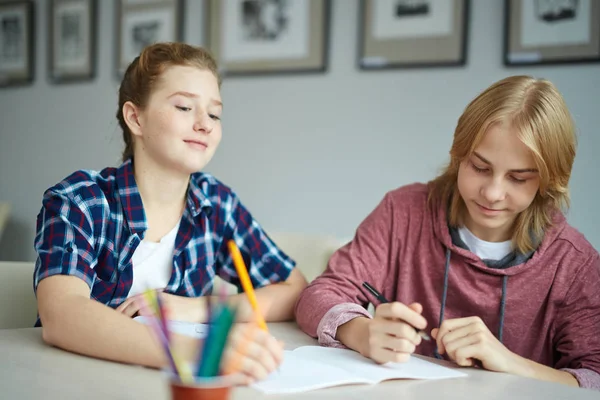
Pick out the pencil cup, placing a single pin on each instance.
(217, 388)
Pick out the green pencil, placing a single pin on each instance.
(216, 340)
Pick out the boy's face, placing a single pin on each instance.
(497, 182)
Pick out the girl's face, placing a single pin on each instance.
(497, 182)
(180, 128)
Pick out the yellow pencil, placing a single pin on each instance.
(242, 272)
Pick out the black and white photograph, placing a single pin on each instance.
(16, 43)
(70, 34)
(407, 8)
(551, 11)
(144, 33)
(269, 36)
(552, 22)
(264, 19)
(411, 33)
(551, 31)
(72, 40)
(393, 19)
(142, 23)
(13, 35)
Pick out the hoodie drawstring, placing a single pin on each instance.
(445, 291)
(502, 307)
(445, 294)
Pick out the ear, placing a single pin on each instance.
(131, 115)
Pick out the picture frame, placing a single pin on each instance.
(17, 35)
(72, 40)
(538, 32)
(257, 37)
(410, 34)
(143, 22)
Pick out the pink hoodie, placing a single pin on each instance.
(551, 308)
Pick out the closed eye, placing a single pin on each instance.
(215, 117)
(182, 108)
(479, 170)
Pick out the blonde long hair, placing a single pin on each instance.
(538, 112)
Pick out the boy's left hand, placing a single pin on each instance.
(466, 340)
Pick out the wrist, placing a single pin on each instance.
(191, 309)
(520, 366)
(354, 334)
(530, 369)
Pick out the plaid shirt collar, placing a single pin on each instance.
(131, 201)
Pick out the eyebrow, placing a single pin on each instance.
(512, 170)
(194, 96)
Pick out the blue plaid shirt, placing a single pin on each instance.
(91, 223)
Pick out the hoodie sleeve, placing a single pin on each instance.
(337, 296)
(578, 326)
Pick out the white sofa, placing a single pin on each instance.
(18, 307)
(311, 253)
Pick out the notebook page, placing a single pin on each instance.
(356, 364)
(299, 374)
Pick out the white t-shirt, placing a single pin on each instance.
(485, 250)
(153, 263)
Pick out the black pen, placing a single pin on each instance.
(382, 300)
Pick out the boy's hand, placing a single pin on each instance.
(391, 332)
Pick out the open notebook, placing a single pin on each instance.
(313, 367)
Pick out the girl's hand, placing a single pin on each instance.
(251, 352)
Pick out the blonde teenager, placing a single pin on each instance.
(481, 257)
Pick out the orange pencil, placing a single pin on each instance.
(242, 272)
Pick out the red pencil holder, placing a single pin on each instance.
(217, 388)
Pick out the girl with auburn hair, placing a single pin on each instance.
(156, 222)
(482, 254)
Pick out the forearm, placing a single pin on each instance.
(276, 302)
(84, 326)
(531, 369)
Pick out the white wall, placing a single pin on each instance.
(307, 153)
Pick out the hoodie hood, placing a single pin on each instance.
(517, 263)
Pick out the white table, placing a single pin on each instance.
(29, 369)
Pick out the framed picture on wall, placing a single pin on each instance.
(72, 40)
(16, 43)
(551, 32)
(144, 22)
(269, 36)
(412, 33)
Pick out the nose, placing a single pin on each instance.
(203, 124)
(493, 190)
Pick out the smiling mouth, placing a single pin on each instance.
(489, 210)
(196, 144)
